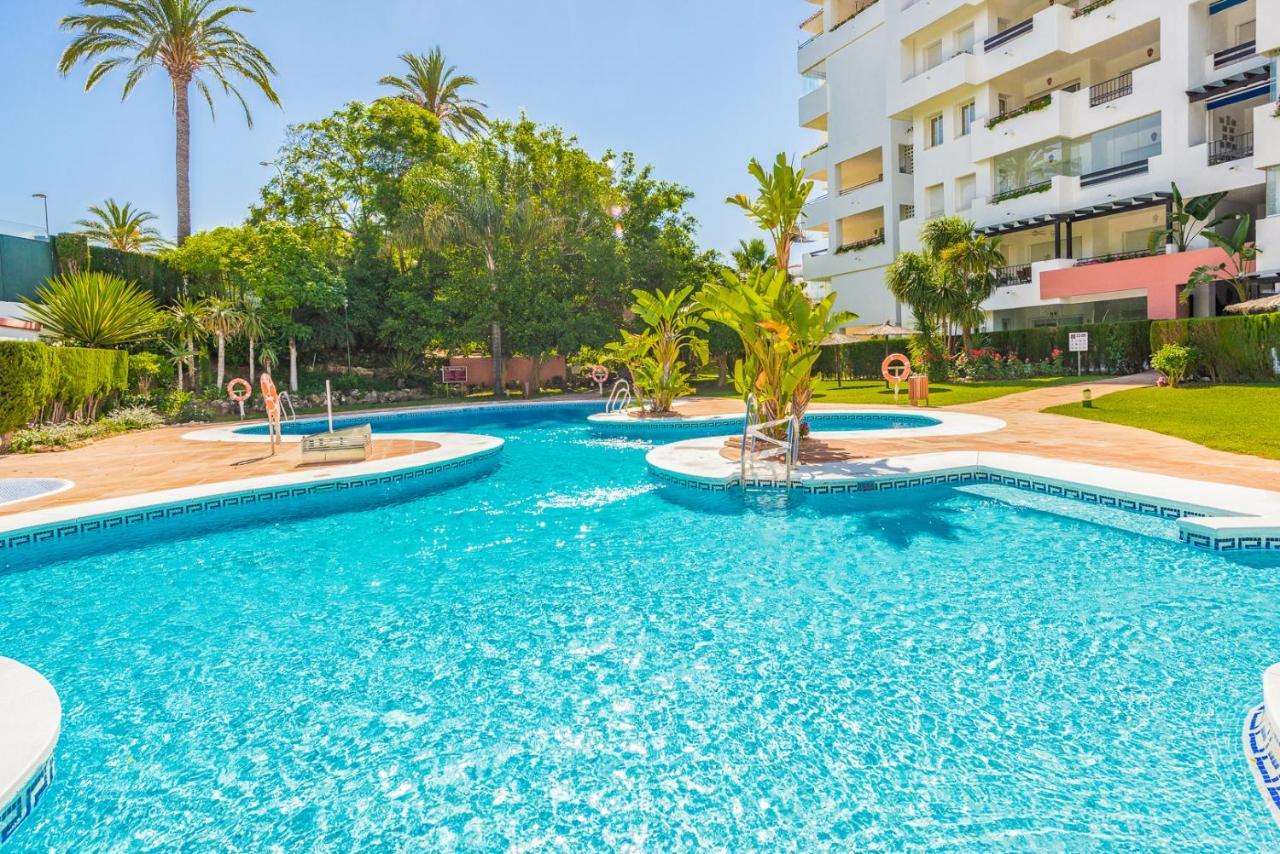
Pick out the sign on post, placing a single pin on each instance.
(1078, 343)
(452, 375)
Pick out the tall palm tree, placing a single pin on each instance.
(121, 227)
(779, 208)
(186, 323)
(435, 86)
(190, 40)
(751, 255)
(252, 325)
(472, 210)
(222, 318)
(966, 263)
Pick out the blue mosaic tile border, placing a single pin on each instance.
(61, 531)
(1262, 749)
(1077, 493)
(14, 813)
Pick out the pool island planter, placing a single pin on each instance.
(57, 532)
(1262, 741)
(1213, 516)
(828, 423)
(30, 722)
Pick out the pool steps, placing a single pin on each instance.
(30, 722)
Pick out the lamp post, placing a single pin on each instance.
(274, 164)
(44, 198)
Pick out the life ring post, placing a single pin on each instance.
(896, 369)
(239, 390)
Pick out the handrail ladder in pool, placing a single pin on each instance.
(287, 412)
(620, 397)
(754, 432)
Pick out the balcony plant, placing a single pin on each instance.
(1033, 106)
(1019, 192)
(1189, 219)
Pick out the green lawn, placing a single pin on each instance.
(1244, 419)
(940, 394)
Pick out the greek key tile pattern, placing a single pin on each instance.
(97, 525)
(1119, 502)
(1262, 749)
(14, 813)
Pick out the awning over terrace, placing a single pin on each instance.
(1119, 206)
(1229, 84)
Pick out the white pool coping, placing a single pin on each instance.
(1230, 513)
(63, 486)
(452, 446)
(1262, 742)
(1271, 695)
(30, 722)
(949, 423)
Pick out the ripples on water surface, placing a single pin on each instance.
(568, 655)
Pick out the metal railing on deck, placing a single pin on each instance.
(1231, 148)
(1230, 55)
(1110, 90)
(1015, 274)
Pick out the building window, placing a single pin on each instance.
(907, 159)
(933, 55)
(967, 113)
(933, 200)
(965, 40)
(966, 191)
(1273, 191)
(935, 131)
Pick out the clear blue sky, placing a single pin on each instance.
(695, 87)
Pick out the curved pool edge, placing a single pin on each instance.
(62, 486)
(30, 723)
(455, 455)
(942, 423)
(1214, 516)
(1262, 741)
(236, 431)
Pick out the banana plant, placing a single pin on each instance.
(1188, 220)
(781, 333)
(1235, 270)
(655, 356)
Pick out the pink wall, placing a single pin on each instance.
(1161, 276)
(518, 369)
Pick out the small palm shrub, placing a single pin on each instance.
(1175, 361)
(655, 355)
(92, 309)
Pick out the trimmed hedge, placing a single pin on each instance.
(1231, 349)
(1121, 347)
(25, 383)
(34, 375)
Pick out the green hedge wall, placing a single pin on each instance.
(34, 375)
(1232, 349)
(25, 382)
(149, 271)
(1121, 347)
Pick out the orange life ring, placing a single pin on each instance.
(269, 396)
(600, 374)
(242, 384)
(892, 360)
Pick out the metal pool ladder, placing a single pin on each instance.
(619, 398)
(287, 412)
(754, 433)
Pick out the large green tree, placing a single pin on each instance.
(431, 83)
(191, 40)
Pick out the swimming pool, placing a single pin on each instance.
(567, 653)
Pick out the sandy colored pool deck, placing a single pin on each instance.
(162, 459)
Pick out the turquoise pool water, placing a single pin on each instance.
(568, 655)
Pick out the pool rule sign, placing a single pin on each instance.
(1078, 343)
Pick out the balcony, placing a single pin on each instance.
(1114, 173)
(1162, 276)
(855, 188)
(1019, 192)
(1116, 256)
(843, 31)
(814, 108)
(1013, 275)
(1231, 148)
(1111, 90)
(1232, 55)
(865, 243)
(1003, 37)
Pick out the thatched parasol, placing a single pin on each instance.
(1256, 306)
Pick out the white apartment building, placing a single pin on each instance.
(1057, 126)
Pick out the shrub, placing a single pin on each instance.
(143, 370)
(1232, 349)
(1174, 361)
(134, 418)
(84, 377)
(25, 383)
